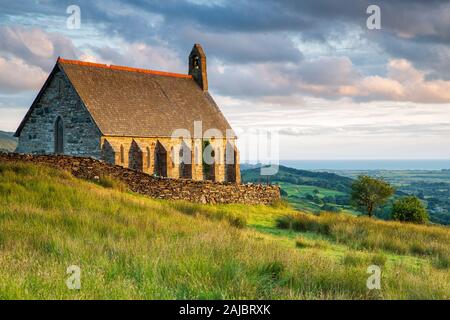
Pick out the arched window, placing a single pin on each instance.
(122, 154)
(148, 157)
(59, 136)
(196, 62)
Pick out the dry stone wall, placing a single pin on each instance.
(161, 188)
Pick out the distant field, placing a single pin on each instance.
(431, 186)
(298, 186)
(297, 197)
(302, 190)
(309, 190)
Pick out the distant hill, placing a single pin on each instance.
(301, 177)
(7, 141)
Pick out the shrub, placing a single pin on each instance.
(280, 204)
(354, 259)
(211, 212)
(330, 208)
(111, 183)
(237, 221)
(302, 243)
(409, 209)
(272, 269)
(379, 259)
(302, 223)
(441, 262)
(285, 222)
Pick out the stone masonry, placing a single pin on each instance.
(160, 188)
(81, 136)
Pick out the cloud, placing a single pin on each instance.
(331, 78)
(403, 83)
(330, 71)
(241, 47)
(27, 56)
(16, 75)
(35, 46)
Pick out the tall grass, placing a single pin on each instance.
(367, 233)
(132, 247)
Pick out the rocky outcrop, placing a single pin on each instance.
(161, 188)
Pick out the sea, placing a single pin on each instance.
(416, 164)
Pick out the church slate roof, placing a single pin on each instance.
(134, 102)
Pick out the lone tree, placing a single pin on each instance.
(368, 193)
(409, 209)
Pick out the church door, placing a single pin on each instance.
(59, 136)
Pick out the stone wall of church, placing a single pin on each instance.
(161, 188)
(80, 135)
(142, 154)
(82, 138)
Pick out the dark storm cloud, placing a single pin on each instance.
(234, 29)
(261, 33)
(245, 31)
(419, 16)
(249, 16)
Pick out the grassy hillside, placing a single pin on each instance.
(129, 246)
(7, 142)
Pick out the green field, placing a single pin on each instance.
(132, 247)
(297, 197)
(431, 186)
(299, 186)
(309, 190)
(303, 190)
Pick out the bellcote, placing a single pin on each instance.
(197, 66)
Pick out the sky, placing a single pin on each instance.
(312, 71)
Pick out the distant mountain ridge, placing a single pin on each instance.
(301, 177)
(8, 142)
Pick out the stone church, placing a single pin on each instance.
(141, 119)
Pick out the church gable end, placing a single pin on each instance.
(58, 122)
